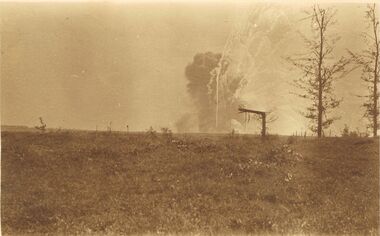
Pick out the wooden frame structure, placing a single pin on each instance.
(263, 118)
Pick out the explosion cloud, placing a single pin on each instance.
(254, 41)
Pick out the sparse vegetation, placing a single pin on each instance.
(167, 134)
(347, 133)
(93, 183)
(151, 133)
(42, 126)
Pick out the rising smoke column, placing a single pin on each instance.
(201, 78)
(198, 74)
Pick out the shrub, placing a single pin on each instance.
(167, 134)
(151, 132)
(42, 126)
(345, 131)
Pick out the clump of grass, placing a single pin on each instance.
(151, 133)
(291, 140)
(167, 134)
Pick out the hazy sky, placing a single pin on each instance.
(81, 65)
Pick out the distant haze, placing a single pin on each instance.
(82, 65)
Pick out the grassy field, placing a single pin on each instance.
(101, 183)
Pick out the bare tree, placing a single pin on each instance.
(319, 68)
(42, 126)
(368, 60)
(109, 127)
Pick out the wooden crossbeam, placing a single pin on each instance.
(263, 118)
(251, 111)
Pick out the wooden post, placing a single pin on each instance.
(264, 126)
(245, 122)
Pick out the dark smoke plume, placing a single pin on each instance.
(201, 86)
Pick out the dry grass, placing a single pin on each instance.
(99, 183)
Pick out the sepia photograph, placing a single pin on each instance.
(180, 117)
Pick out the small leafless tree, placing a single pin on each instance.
(319, 68)
(109, 127)
(42, 126)
(368, 60)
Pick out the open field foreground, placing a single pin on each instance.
(101, 183)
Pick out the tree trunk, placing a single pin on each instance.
(375, 80)
(375, 109)
(320, 85)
